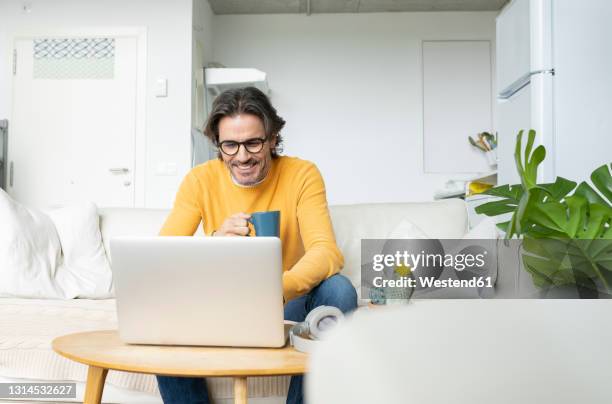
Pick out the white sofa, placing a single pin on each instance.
(27, 326)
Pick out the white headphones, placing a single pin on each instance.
(318, 323)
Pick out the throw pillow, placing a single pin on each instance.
(484, 230)
(30, 252)
(54, 254)
(405, 229)
(85, 272)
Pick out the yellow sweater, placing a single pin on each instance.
(293, 186)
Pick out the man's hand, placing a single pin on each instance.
(235, 225)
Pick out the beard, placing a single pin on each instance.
(255, 173)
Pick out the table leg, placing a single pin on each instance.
(241, 395)
(95, 385)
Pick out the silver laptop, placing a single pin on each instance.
(217, 291)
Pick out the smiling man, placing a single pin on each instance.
(251, 176)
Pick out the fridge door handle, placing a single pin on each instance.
(521, 82)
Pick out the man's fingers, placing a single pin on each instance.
(242, 230)
(236, 225)
(239, 222)
(238, 231)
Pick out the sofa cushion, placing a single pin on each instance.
(52, 254)
(129, 222)
(85, 272)
(30, 251)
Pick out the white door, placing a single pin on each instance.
(74, 121)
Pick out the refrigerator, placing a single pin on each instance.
(3, 153)
(554, 75)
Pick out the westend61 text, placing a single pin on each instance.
(430, 282)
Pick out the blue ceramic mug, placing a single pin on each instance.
(266, 224)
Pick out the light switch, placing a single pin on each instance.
(161, 88)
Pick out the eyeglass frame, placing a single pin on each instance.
(263, 141)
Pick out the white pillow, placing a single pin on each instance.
(486, 229)
(59, 255)
(85, 272)
(405, 229)
(30, 252)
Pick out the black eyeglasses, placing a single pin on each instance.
(231, 147)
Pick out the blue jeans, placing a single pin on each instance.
(336, 291)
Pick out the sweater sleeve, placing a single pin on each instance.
(321, 258)
(185, 216)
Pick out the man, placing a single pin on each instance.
(251, 176)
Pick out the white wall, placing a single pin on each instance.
(169, 32)
(350, 88)
(349, 85)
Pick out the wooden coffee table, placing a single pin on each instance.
(103, 350)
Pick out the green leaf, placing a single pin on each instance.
(602, 179)
(551, 215)
(591, 259)
(559, 189)
(536, 231)
(577, 206)
(607, 234)
(540, 278)
(530, 140)
(519, 222)
(531, 167)
(518, 159)
(503, 226)
(569, 261)
(495, 208)
(555, 248)
(511, 230)
(513, 192)
(589, 193)
(511, 195)
(598, 216)
(546, 260)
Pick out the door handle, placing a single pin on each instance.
(11, 171)
(122, 170)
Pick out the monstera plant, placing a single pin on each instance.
(566, 228)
